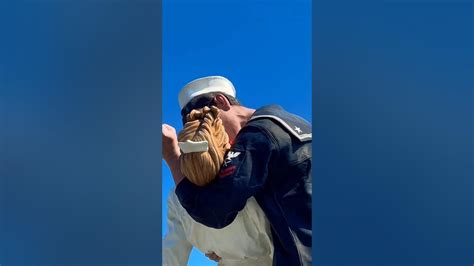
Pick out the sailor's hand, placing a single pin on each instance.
(213, 256)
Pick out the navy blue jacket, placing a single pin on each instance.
(270, 160)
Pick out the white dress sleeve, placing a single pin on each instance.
(176, 247)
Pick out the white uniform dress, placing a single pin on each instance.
(246, 241)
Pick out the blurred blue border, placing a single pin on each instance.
(80, 124)
(393, 147)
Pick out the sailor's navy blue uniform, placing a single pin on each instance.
(270, 160)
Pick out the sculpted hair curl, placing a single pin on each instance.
(203, 124)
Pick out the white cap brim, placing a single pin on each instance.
(205, 85)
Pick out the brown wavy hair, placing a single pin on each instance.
(203, 124)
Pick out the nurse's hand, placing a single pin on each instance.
(213, 256)
(171, 152)
(170, 143)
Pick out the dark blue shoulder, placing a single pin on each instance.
(293, 124)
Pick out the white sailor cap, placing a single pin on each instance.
(205, 85)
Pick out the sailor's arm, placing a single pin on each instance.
(241, 176)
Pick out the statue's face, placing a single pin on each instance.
(230, 123)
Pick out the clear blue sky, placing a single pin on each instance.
(263, 47)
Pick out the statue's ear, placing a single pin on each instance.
(222, 102)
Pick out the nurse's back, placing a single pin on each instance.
(246, 241)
